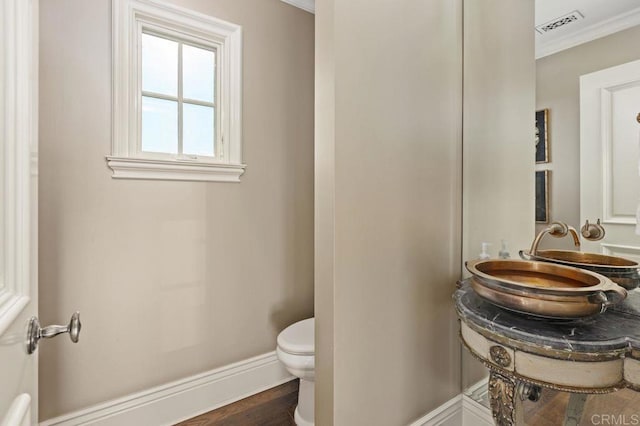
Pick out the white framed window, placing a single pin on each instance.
(176, 94)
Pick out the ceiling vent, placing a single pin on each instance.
(560, 22)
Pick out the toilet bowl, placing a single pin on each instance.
(296, 351)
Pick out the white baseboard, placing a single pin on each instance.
(189, 397)
(475, 414)
(308, 5)
(448, 414)
(461, 410)
(185, 398)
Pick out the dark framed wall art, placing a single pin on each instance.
(542, 136)
(542, 196)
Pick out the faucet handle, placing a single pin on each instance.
(558, 229)
(592, 232)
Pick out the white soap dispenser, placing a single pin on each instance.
(484, 255)
(504, 251)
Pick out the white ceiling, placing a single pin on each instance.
(601, 18)
(593, 10)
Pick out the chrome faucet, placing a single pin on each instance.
(557, 230)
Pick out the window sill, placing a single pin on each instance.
(143, 168)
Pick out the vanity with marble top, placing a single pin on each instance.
(526, 354)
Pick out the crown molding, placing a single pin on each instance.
(308, 5)
(601, 29)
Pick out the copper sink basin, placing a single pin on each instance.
(543, 289)
(622, 271)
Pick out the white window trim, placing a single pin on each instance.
(126, 161)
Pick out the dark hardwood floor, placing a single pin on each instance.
(273, 407)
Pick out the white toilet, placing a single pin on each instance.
(296, 351)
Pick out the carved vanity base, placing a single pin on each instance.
(502, 390)
(507, 394)
(593, 356)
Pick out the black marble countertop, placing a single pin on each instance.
(616, 329)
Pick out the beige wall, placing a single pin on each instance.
(388, 147)
(172, 278)
(499, 99)
(558, 88)
(325, 113)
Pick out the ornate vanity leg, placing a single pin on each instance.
(574, 409)
(506, 395)
(502, 390)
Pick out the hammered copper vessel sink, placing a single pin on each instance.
(622, 271)
(543, 289)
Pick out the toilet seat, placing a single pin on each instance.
(298, 338)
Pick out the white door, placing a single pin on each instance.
(18, 209)
(610, 157)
